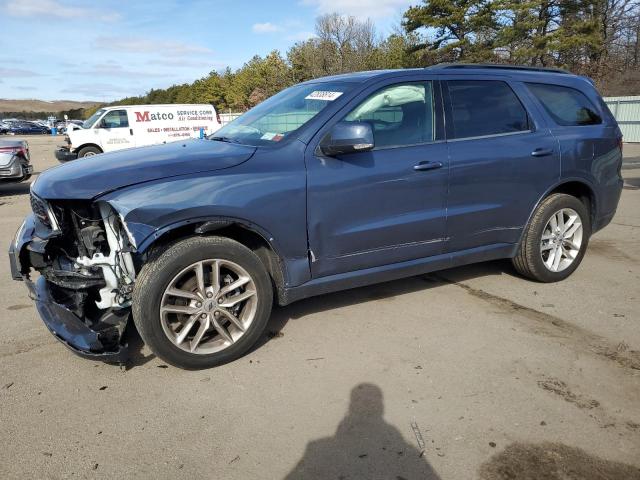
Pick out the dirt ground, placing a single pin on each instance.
(472, 372)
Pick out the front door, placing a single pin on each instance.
(114, 131)
(387, 205)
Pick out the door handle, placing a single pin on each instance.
(423, 166)
(131, 131)
(541, 152)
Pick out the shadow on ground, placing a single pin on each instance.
(136, 347)
(553, 461)
(381, 291)
(364, 446)
(632, 183)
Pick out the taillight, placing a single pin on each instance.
(14, 150)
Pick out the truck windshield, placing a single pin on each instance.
(279, 116)
(88, 123)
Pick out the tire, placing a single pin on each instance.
(533, 256)
(151, 299)
(88, 151)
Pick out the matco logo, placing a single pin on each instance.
(148, 116)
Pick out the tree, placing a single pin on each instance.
(460, 30)
(342, 44)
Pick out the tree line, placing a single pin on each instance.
(597, 38)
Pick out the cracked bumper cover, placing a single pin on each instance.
(102, 342)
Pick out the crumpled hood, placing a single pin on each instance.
(89, 177)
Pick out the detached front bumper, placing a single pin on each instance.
(99, 338)
(63, 154)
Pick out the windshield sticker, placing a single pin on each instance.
(274, 137)
(323, 95)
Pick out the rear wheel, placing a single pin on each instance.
(555, 240)
(202, 302)
(88, 151)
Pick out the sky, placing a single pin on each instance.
(105, 50)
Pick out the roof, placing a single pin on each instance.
(450, 68)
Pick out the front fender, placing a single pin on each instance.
(271, 203)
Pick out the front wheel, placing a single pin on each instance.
(88, 151)
(555, 240)
(203, 302)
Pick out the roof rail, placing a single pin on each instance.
(498, 66)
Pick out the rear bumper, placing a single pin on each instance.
(63, 154)
(16, 170)
(99, 338)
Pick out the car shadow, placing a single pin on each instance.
(139, 355)
(136, 348)
(381, 291)
(364, 446)
(632, 183)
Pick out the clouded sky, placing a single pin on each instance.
(104, 50)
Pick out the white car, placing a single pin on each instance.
(128, 126)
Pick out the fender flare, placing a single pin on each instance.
(555, 186)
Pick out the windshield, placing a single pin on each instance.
(88, 123)
(279, 116)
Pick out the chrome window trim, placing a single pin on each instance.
(494, 135)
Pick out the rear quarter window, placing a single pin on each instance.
(566, 106)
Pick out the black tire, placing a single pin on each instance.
(164, 265)
(88, 151)
(528, 260)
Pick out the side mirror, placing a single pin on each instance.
(347, 137)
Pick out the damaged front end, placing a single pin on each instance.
(76, 259)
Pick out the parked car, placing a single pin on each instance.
(127, 126)
(15, 163)
(331, 184)
(27, 128)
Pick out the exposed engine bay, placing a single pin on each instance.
(84, 253)
(91, 251)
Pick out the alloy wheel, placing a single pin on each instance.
(561, 240)
(208, 306)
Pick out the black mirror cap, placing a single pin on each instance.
(348, 137)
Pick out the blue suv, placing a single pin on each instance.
(331, 184)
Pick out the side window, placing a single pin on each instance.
(399, 115)
(485, 107)
(567, 106)
(116, 119)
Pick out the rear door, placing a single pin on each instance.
(387, 205)
(503, 158)
(115, 131)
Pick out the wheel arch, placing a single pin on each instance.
(85, 145)
(576, 187)
(248, 234)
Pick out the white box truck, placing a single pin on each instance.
(128, 126)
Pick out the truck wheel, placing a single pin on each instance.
(202, 302)
(555, 241)
(88, 151)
